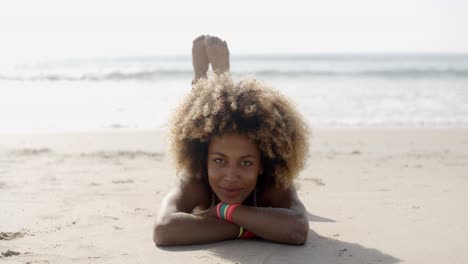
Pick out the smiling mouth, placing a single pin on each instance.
(231, 192)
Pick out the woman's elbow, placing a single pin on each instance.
(300, 232)
(298, 238)
(160, 233)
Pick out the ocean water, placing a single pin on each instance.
(399, 90)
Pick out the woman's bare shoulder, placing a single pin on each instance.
(192, 193)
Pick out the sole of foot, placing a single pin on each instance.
(200, 60)
(218, 54)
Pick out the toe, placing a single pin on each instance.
(211, 40)
(199, 38)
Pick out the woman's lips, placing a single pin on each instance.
(231, 192)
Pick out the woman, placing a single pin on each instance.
(238, 148)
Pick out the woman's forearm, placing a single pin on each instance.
(276, 224)
(189, 229)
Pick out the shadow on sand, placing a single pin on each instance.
(318, 249)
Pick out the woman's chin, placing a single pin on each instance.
(231, 200)
(231, 197)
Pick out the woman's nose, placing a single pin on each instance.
(232, 173)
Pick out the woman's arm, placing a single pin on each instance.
(285, 222)
(176, 225)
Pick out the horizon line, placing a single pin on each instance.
(269, 54)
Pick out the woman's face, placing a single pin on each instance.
(234, 163)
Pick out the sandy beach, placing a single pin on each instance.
(373, 196)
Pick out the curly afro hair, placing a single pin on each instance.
(217, 106)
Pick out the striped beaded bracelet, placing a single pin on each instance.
(225, 211)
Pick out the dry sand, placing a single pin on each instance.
(373, 196)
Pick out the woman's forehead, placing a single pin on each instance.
(233, 143)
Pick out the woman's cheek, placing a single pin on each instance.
(251, 173)
(214, 172)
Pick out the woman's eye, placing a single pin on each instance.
(219, 161)
(246, 163)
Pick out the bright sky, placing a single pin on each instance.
(90, 28)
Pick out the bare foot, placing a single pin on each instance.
(199, 58)
(218, 54)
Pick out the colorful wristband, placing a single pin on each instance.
(230, 211)
(218, 214)
(225, 211)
